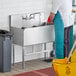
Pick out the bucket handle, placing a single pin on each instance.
(70, 54)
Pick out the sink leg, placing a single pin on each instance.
(13, 55)
(23, 63)
(13, 50)
(44, 52)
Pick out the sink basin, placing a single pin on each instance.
(34, 35)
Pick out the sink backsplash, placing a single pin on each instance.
(27, 20)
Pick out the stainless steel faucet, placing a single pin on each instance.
(31, 16)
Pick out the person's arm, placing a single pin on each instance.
(55, 6)
(52, 15)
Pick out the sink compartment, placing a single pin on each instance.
(32, 36)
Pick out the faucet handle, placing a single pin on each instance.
(31, 16)
(24, 17)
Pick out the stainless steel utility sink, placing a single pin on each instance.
(30, 29)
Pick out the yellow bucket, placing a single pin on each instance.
(64, 69)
